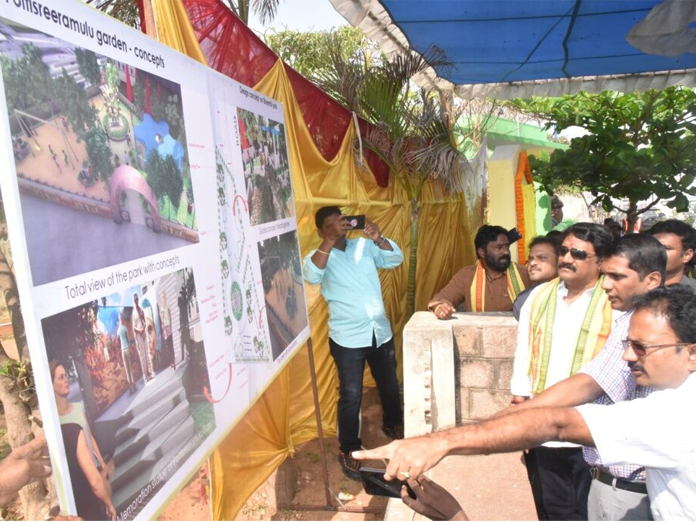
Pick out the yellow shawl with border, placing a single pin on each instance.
(594, 331)
(478, 286)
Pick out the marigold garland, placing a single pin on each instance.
(524, 173)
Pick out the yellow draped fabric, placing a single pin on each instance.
(284, 416)
(174, 29)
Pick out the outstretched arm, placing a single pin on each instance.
(517, 431)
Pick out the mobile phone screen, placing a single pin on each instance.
(356, 222)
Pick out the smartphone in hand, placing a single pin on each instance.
(374, 484)
(356, 222)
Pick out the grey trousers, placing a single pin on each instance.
(609, 503)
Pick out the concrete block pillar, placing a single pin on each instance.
(429, 383)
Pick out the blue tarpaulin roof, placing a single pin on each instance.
(495, 46)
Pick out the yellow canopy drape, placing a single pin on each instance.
(284, 416)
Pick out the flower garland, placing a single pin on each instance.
(524, 173)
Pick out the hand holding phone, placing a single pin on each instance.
(356, 222)
(374, 484)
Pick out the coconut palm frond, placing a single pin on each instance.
(343, 78)
(124, 10)
(265, 9)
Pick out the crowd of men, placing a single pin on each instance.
(603, 380)
(603, 323)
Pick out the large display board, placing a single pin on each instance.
(151, 215)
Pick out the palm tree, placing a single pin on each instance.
(411, 129)
(127, 10)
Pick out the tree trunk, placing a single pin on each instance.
(631, 216)
(34, 497)
(8, 285)
(411, 292)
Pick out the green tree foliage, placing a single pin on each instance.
(80, 113)
(173, 115)
(89, 66)
(139, 94)
(309, 54)
(154, 166)
(99, 153)
(27, 80)
(174, 183)
(110, 92)
(639, 147)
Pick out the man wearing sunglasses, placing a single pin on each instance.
(563, 324)
(656, 432)
(635, 266)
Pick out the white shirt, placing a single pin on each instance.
(566, 329)
(658, 432)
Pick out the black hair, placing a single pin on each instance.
(487, 234)
(677, 304)
(323, 213)
(556, 235)
(601, 238)
(552, 240)
(686, 233)
(644, 253)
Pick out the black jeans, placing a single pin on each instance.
(350, 363)
(560, 480)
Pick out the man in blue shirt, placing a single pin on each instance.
(359, 329)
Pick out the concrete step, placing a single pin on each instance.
(149, 432)
(145, 457)
(125, 495)
(154, 391)
(158, 406)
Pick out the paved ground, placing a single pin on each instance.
(79, 242)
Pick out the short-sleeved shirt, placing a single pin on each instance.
(350, 285)
(123, 337)
(458, 290)
(656, 432)
(688, 282)
(611, 373)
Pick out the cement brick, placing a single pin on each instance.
(477, 373)
(485, 403)
(467, 340)
(464, 412)
(504, 367)
(499, 342)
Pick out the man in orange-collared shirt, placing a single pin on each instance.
(490, 285)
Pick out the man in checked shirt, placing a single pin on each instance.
(636, 266)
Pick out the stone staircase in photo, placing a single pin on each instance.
(153, 429)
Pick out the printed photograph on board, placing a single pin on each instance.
(129, 374)
(281, 271)
(100, 152)
(266, 168)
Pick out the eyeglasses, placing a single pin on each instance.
(641, 349)
(575, 253)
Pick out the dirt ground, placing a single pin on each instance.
(309, 490)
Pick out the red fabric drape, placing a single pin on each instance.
(234, 50)
(129, 85)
